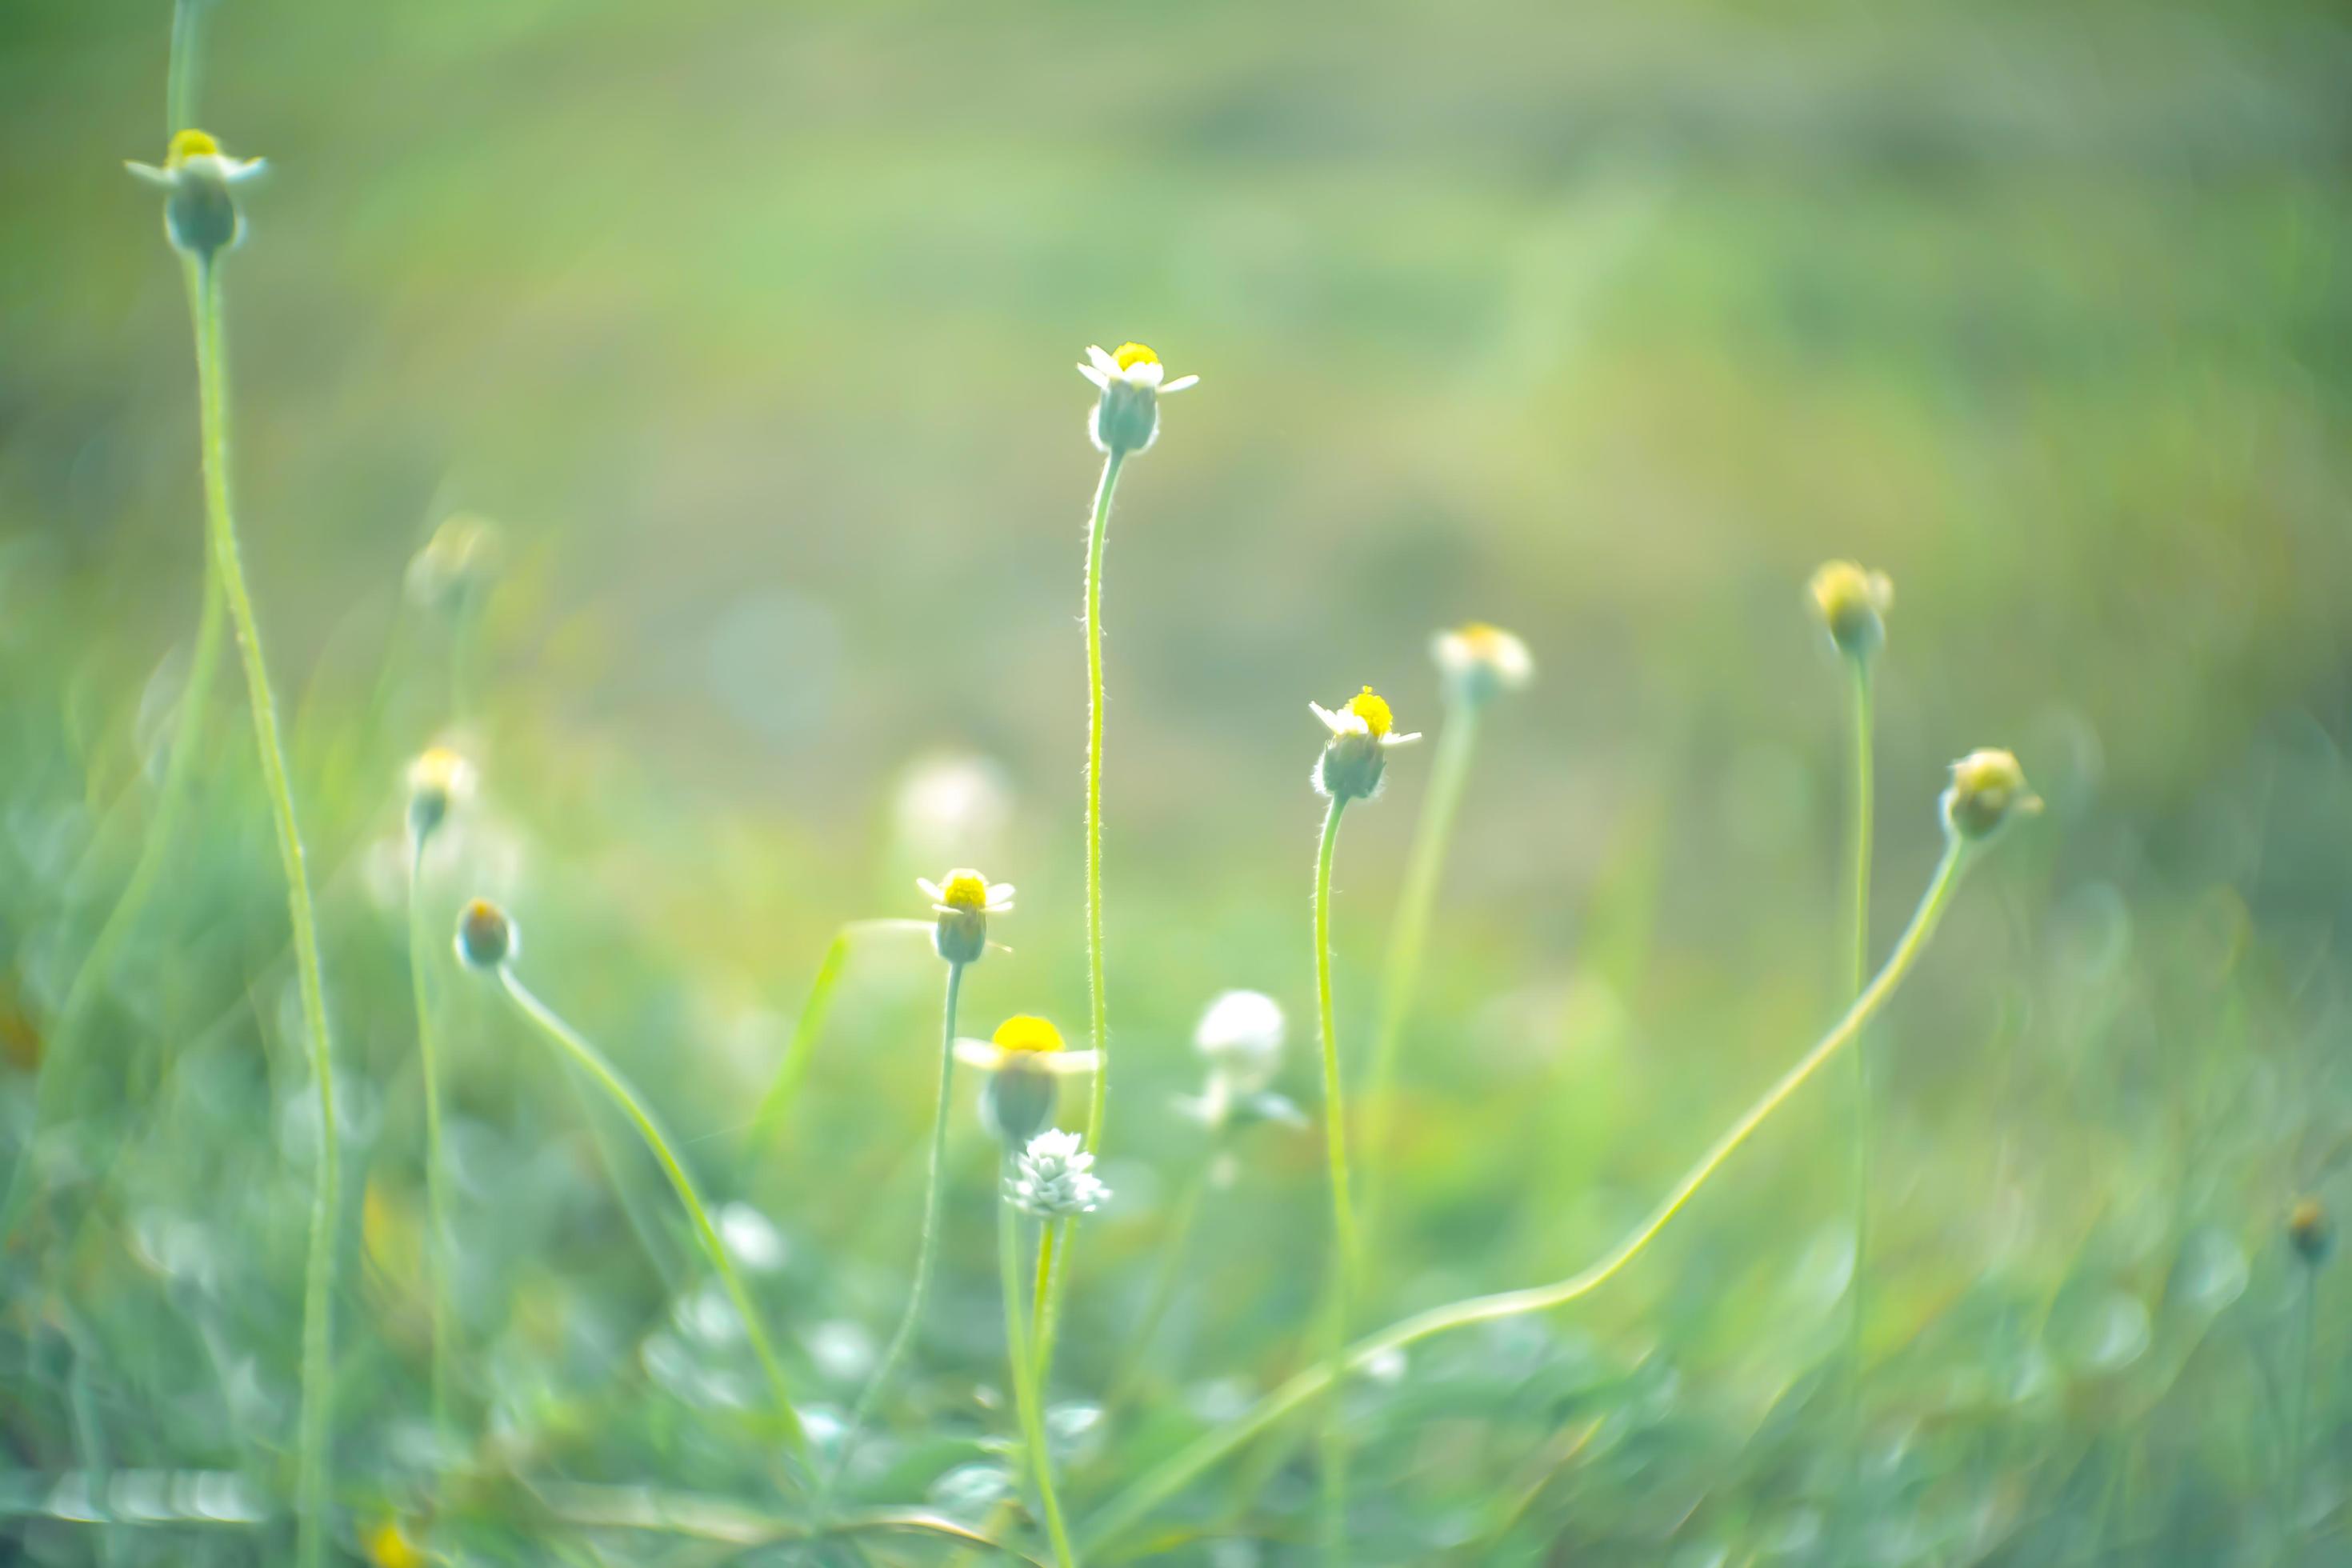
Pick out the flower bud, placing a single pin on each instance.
(1017, 1102)
(438, 780)
(2310, 1231)
(1987, 788)
(1479, 661)
(487, 939)
(1853, 605)
(1356, 755)
(1127, 414)
(963, 900)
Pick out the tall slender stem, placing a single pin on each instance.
(1864, 809)
(792, 1067)
(1024, 1375)
(179, 75)
(1042, 1299)
(2298, 1410)
(436, 1197)
(1449, 770)
(1097, 998)
(609, 1078)
(1343, 1216)
(926, 1247)
(1172, 1476)
(318, 1305)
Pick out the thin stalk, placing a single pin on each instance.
(1449, 770)
(792, 1068)
(2298, 1410)
(1343, 1217)
(318, 1305)
(436, 1197)
(609, 1078)
(1175, 1474)
(1099, 1000)
(1041, 1299)
(1864, 811)
(179, 75)
(1022, 1373)
(926, 1247)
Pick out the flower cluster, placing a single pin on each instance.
(1053, 1178)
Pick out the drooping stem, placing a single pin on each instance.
(608, 1077)
(318, 1304)
(1449, 770)
(1018, 1368)
(792, 1068)
(1343, 1217)
(1172, 1476)
(1099, 1000)
(927, 1247)
(1863, 807)
(437, 1198)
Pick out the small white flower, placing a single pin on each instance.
(1241, 1035)
(1053, 1178)
(1357, 753)
(200, 215)
(1366, 713)
(965, 891)
(1479, 661)
(438, 781)
(1126, 416)
(1028, 1043)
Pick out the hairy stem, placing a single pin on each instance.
(1864, 810)
(1343, 1217)
(1099, 1000)
(1023, 1376)
(318, 1304)
(607, 1077)
(1178, 1472)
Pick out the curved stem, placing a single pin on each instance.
(792, 1068)
(1864, 809)
(1178, 1472)
(437, 1198)
(927, 1249)
(1098, 1001)
(609, 1078)
(1449, 770)
(1343, 1217)
(1019, 1368)
(318, 1305)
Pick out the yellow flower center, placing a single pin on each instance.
(190, 144)
(1023, 1032)
(1368, 706)
(388, 1548)
(1129, 356)
(965, 891)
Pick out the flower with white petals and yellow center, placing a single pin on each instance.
(1025, 1059)
(1853, 603)
(438, 780)
(200, 214)
(1987, 788)
(963, 900)
(1362, 730)
(1132, 380)
(1479, 661)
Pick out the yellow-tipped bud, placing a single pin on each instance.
(438, 780)
(200, 211)
(2310, 1231)
(1987, 788)
(1853, 605)
(487, 939)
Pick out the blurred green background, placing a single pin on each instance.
(752, 325)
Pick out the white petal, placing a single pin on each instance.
(1098, 377)
(1000, 892)
(1181, 383)
(151, 173)
(237, 170)
(1400, 740)
(930, 889)
(1146, 372)
(1330, 719)
(978, 1054)
(1066, 1064)
(1103, 363)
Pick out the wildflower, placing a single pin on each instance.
(1987, 788)
(453, 571)
(1126, 417)
(1853, 605)
(200, 213)
(963, 900)
(387, 1546)
(1023, 1059)
(437, 780)
(1361, 734)
(1479, 661)
(1240, 1035)
(487, 939)
(1053, 1178)
(2310, 1231)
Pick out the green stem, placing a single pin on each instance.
(926, 1247)
(2298, 1408)
(318, 1304)
(1343, 1217)
(609, 1078)
(436, 1197)
(1025, 1388)
(1864, 812)
(792, 1068)
(1449, 770)
(1099, 1000)
(1039, 1334)
(179, 75)
(1175, 1474)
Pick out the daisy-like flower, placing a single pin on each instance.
(1025, 1061)
(486, 938)
(963, 900)
(1853, 605)
(1053, 1178)
(453, 573)
(1362, 730)
(200, 213)
(1987, 789)
(1479, 661)
(438, 780)
(1127, 415)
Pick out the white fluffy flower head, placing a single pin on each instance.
(1053, 1179)
(1241, 1035)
